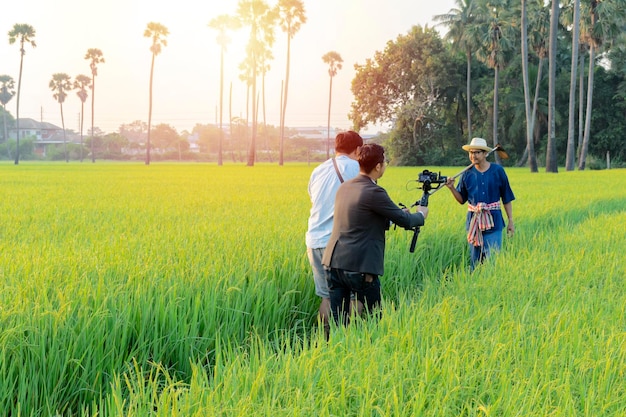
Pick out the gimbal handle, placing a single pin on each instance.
(416, 232)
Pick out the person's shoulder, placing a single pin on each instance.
(496, 167)
(346, 160)
(500, 169)
(357, 179)
(324, 165)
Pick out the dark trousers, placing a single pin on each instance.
(342, 283)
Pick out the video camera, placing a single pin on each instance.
(429, 181)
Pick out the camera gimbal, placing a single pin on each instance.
(430, 182)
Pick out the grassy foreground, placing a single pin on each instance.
(184, 290)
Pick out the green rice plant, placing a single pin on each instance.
(184, 289)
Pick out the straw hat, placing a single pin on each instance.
(477, 143)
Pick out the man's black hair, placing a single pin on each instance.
(370, 155)
(347, 142)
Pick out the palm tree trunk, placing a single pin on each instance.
(230, 121)
(585, 145)
(93, 95)
(496, 84)
(330, 95)
(532, 155)
(571, 147)
(221, 139)
(82, 119)
(469, 95)
(284, 104)
(252, 149)
(551, 160)
(6, 130)
(265, 135)
(529, 115)
(64, 138)
(17, 118)
(581, 103)
(149, 112)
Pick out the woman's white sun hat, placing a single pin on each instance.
(477, 143)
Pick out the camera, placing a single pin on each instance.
(429, 181)
(428, 178)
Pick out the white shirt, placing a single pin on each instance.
(323, 186)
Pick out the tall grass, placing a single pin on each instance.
(180, 290)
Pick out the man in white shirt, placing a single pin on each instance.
(323, 185)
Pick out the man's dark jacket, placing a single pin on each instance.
(362, 214)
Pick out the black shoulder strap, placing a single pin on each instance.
(337, 170)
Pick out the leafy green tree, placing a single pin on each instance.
(260, 18)
(60, 84)
(112, 145)
(291, 16)
(334, 61)
(135, 132)
(609, 128)
(7, 91)
(165, 137)
(96, 57)
(209, 137)
(412, 84)
(158, 33)
(82, 83)
(222, 24)
(24, 34)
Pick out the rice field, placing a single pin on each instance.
(184, 290)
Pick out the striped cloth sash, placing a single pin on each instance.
(481, 220)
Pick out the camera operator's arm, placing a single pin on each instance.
(457, 195)
(423, 210)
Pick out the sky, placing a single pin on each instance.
(186, 74)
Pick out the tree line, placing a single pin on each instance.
(546, 81)
(256, 15)
(487, 77)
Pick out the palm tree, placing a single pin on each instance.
(59, 84)
(24, 34)
(570, 154)
(222, 24)
(496, 44)
(458, 21)
(524, 39)
(158, 33)
(291, 17)
(551, 161)
(95, 55)
(257, 15)
(334, 61)
(7, 91)
(537, 36)
(82, 83)
(603, 23)
(264, 57)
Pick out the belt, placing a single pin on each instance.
(481, 220)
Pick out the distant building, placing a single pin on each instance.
(44, 133)
(314, 133)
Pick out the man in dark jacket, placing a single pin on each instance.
(355, 252)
